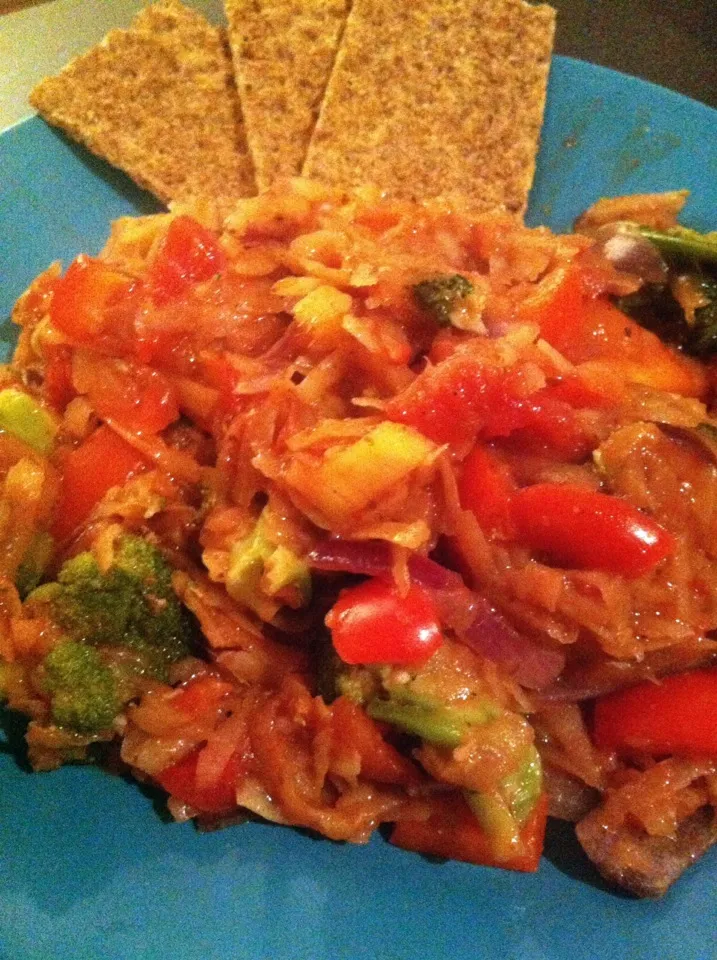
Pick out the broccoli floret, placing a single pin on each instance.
(83, 690)
(132, 604)
(440, 295)
(655, 307)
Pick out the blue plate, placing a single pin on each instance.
(89, 870)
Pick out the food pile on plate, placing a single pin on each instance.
(354, 502)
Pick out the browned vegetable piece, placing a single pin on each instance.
(646, 865)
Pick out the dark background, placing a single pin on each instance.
(670, 42)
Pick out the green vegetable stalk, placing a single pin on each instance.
(26, 420)
(442, 724)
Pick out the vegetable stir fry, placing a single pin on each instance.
(352, 512)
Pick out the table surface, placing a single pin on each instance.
(671, 43)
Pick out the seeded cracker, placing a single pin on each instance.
(437, 97)
(158, 100)
(283, 54)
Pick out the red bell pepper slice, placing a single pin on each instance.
(486, 488)
(453, 832)
(180, 780)
(373, 623)
(380, 762)
(676, 715)
(103, 461)
(188, 254)
(577, 527)
(93, 300)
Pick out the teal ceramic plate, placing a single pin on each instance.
(89, 871)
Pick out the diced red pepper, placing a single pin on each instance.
(137, 397)
(180, 780)
(577, 527)
(93, 301)
(452, 831)
(103, 461)
(373, 623)
(487, 489)
(676, 715)
(380, 762)
(188, 254)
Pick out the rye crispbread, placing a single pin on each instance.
(158, 100)
(437, 97)
(283, 54)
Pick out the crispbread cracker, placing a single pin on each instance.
(437, 97)
(283, 54)
(158, 101)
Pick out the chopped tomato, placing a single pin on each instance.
(180, 780)
(486, 488)
(373, 623)
(103, 461)
(57, 385)
(585, 327)
(201, 695)
(93, 300)
(448, 402)
(139, 398)
(580, 528)
(541, 417)
(676, 715)
(380, 761)
(188, 254)
(452, 831)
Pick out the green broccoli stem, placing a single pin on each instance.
(504, 814)
(434, 722)
(682, 244)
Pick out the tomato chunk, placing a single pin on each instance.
(57, 385)
(452, 831)
(580, 528)
(93, 300)
(373, 623)
(139, 398)
(188, 254)
(201, 695)
(103, 461)
(676, 715)
(585, 327)
(180, 780)
(486, 488)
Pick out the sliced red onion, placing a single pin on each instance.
(478, 624)
(630, 252)
(367, 558)
(491, 634)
